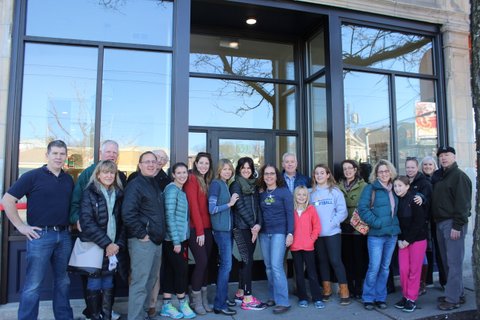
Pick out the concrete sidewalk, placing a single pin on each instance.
(426, 304)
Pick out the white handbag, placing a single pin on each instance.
(86, 258)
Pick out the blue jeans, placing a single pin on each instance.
(273, 250)
(100, 283)
(224, 243)
(380, 251)
(52, 248)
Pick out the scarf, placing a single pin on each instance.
(247, 185)
(390, 195)
(110, 197)
(347, 186)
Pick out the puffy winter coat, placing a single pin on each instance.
(94, 221)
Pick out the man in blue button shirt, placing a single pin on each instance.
(48, 190)
(292, 177)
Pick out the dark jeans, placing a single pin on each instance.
(355, 259)
(243, 238)
(329, 252)
(303, 258)
(53, 249)
(201, 254)
(175, 266)
(225, 243)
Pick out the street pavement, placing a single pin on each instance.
(426, 304)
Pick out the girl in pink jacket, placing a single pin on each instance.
(306, 230)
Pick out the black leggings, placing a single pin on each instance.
(202, 256)
(329, 252)
(243, 238)
(303, 258)
(175, 268)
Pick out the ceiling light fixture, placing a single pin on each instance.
(251, 21)
(229, 43)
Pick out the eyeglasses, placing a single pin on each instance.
(269, 173)
(383, 171)
(148, 162)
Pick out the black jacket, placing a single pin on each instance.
(246, 209)
(412, 219)
(143, 211)
(422, 186)
(94, 221)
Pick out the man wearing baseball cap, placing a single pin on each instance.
(451, 205)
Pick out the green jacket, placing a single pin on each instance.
(352, 196)
(452, 196)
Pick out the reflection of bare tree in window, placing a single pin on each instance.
(364, 47)
(240, 66)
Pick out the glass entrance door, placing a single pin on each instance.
(235, 145)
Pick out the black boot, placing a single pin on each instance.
(94, 304)
(107, 302)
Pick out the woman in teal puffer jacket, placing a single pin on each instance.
(377, 207)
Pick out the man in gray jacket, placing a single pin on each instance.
(451, 204)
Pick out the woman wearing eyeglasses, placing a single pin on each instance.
(378, 208)
(276, 233)
(201, 239)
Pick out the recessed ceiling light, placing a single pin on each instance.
(251, 21)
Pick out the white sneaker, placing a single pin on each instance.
(115, 315)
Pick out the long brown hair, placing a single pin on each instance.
(330, 181)
(203, 180)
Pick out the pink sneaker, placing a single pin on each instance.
(253, 304)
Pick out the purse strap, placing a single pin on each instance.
(372, 198)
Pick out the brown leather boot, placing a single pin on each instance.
(344, 294)
(327, 290)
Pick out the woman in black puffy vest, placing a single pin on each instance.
(101, 223)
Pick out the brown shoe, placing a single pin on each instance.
(447, 306)
(151, 312)
(462, 299)
(281, 309)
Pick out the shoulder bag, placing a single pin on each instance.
(357, 223)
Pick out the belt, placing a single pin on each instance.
(54, 228)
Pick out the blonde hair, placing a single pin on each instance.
(105, 166)
(222, 163)
(297, 205)
(383, 162)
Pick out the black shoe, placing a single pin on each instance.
(270, 303)
(409, 306)
(368, 305)
(401, 304)
(231, 303)
(462, 299)
(227, 311)
(281, 309)
(381, 305)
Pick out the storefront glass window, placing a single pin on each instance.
(58, 102)
(318, 105)
(385, 49)
(197, 142)
(285, 144)
(367, 117)
(316, 53)
(241, 104)
(135, 21)
(136, 103)
(416, 119)
(241, 57)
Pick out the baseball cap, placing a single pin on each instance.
(445, 149)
